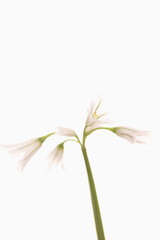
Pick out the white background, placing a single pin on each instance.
(55, 57)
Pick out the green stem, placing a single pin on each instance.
(113, 129)
(95, 205)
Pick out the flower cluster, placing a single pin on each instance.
(93, 122)
(28, 149)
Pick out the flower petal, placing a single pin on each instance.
(28, 156)
(24, 150)
(131, 134)
(92, 107)
(66, 132)
(90, 120)
(56, 156)
(19, 146)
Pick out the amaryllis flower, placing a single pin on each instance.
(26, 149)
(130, 134)
(95, 120)
(66, 132)
(56, 155)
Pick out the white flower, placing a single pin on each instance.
(66, 132)
(95, 120)
(130, 134)
(26, 149)
(56, 155)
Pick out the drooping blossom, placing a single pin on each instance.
(131, 134)
(26, 149)
(67, 132)
(56, 156)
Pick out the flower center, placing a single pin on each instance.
(95, 115)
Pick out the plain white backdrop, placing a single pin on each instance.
(55, 57)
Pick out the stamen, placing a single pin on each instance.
(95, 115)
(98, 105)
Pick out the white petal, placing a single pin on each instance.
(28, 156)
(92, 107)
(66, 132)
(26, 148)
(127, 137)
(131, 134)
(93, 126)
(20, 146)
(55, 156)
(90, 120)
(96, 123)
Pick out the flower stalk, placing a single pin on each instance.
(95, 204)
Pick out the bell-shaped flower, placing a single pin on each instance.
(94, 119)
(130, 134)
(56, 155)
(67, 132)
(26, 150)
